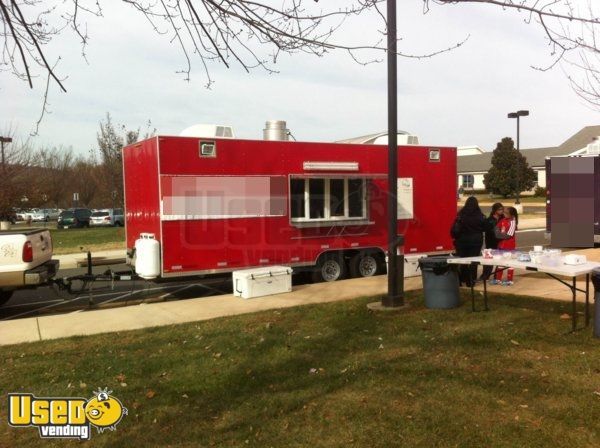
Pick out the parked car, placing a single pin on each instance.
(107, 217)
(37, 215)
(74, 218)
(21, 214)
(52, 214)
(9, 216)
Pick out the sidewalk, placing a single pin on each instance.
(192, 310)
(532, 223)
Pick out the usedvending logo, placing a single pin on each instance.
(66, 417)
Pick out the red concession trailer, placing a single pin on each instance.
(219, 205)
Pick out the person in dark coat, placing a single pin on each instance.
(491, 242)
(467, 231)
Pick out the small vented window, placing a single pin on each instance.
(434, 155)
(208, 149)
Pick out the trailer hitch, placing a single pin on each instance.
(87, 279)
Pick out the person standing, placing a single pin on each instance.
(491, 242)
(467, 232)
(505, 232)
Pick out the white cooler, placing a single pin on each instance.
(258, 282)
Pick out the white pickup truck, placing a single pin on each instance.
(25, 260)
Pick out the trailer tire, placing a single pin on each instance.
(366, 264)
(5, 296)
(330, 267)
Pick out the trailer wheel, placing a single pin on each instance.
(366, 264)
(330, 268)
(5, 296)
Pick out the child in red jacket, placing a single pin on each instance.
(505, 232)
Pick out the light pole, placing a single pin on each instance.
(4, 140)
(395, 295)
(518, 115)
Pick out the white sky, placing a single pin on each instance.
(458, 98)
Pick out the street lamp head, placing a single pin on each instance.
(520, 113)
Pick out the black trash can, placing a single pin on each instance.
(440, 282)
(596, 282)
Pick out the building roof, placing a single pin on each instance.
(581, 139)
(536, 157)
(369, 139)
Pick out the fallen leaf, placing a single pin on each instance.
(523, 406)
(185, 396)
(313, 370)
(120, 378)
(150, 393)
(82, 385)
(502, 402)
(565, 316)
(380, 346)
(123, 384)
(513, 342)
(597, 392)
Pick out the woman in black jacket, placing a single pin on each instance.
(468, 231)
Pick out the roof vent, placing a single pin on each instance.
(276, 130)
(208, 131)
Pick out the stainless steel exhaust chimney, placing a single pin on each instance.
(276, 130)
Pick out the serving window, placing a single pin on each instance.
(328, 199)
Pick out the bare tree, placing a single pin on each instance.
(111, 140)
(15, 182)
(57, 166)
(88, 180)
(253, 33)
(572, 30)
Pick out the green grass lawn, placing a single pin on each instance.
(76, 240)
(95, 238)
(332, 375)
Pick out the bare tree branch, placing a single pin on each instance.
(253, 33)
